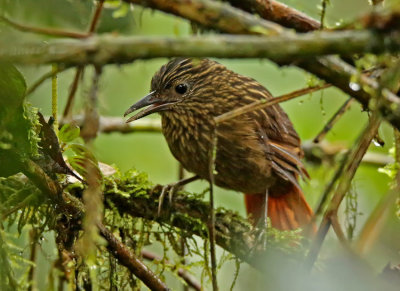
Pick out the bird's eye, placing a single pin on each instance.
(181, 88)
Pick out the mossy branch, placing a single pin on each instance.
(109, 49)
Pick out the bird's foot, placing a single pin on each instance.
(169, 189)
(260, 236)
(260, 242)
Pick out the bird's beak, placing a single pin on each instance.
(156, 105)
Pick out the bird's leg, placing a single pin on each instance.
(262, 225)
(171, 188)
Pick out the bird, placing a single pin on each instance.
(258, 153)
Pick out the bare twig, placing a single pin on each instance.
(181, 176)
(43, 78)
(129, 260)
(190, 280)
(211, 220)
(326, 152)
(72, 92)
(32, 258)
(43, 30)
(346, 105)
(110, 124)
(339, 232)
(266, 103)
(323, 12)
(96, 16)
(373, 227)
(80, 70)
(54, 97)
(328, 190)
(348, 173)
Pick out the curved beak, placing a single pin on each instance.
(156, 105)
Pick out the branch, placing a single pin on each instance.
(129, 260)
(191, 9)
(215, 15)
(190, 214)
(190, 281)
(118, 124)
(72, 206)
(279, 13)
(349, 170)
(109, 49)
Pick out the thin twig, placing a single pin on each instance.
(181, 176)
(80, 70)
(72, 92)
(96, 17)
(348, 173)
(346, 105)
(43, 30)
(129, 260)
(54, 97)
(328, 190)
(32, 258)
(211, 222)
(43, 78)
(266, 103)
(190, 280)
(373, 226)
(323, 12)
(339, 232)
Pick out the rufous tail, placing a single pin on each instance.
(287, 207)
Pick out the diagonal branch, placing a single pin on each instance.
(279, 13)
(129, 260)
(190, 281)
(349, 170)
(215, 15)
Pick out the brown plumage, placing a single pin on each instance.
(256, 152)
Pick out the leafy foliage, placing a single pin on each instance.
(18, 122)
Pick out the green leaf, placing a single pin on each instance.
(122, 11)
(68, 132)
(12, 88)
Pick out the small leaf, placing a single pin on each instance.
(82, 151)
(12, 87)
(68, 132)
(122, 11)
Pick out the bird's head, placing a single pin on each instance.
(180, 82)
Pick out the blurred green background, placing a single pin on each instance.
(121, 86)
